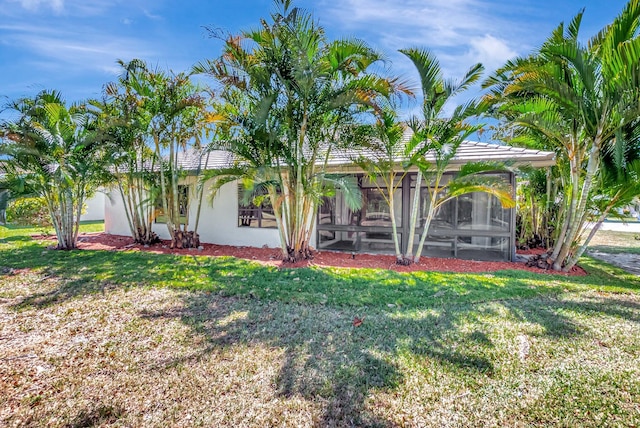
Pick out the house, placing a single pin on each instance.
(473, 226)
(94, 207)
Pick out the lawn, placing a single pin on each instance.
(137, 339)
(608, 241)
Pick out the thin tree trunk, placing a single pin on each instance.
(547, 210)
(126, 203)
(278, 204)
(561, 247)
(163, 189)
(415, 206)
(200, 194)
(574, 227)
(394, 226)
(76, 228)
(427, 224)
(594, 229)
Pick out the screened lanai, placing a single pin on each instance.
(472, 226)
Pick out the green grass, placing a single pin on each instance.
(140, 339)
(12, 230)
(613, 242)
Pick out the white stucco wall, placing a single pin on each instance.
(115, 220)
(218, 221)
(94, 208)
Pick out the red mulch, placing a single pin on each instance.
(533, 251)
(271, 256)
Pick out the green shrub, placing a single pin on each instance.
(28, 212)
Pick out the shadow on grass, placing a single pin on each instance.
(308, 314)
(97, 416)
(326, 358)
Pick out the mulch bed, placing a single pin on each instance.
(271, 256)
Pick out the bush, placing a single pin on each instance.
(28, 212)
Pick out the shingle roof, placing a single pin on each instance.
(192, 160)
(469, 151)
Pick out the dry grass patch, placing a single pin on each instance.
(609, 241)
(135, 358)
(94, 338)
(161, 357)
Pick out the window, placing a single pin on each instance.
(252, 215)
(183, 205)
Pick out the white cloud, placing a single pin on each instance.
(151, 15)
(423, 22)
(490, 51)
(459, 32)
(37, 5)
(95, 51)
(61, 7)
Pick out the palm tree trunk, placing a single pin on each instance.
(561, 247)
(200, 194)
(80, 203)
(415, 206)
(394, 226)
(427, 224)
(126, 203)
(594, 229)
(580, 208)
(174, 212)
(279, 209)
(163, 189)
(54, 214)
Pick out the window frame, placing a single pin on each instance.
(252, 213)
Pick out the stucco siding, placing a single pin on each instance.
(218, 220)
(115, 219)
(94, 208)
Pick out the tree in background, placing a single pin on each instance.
(124, 124)
(157, 118)
(583, 99)
(291, 92)
(50, 151)
(536, 208)
(435, 142)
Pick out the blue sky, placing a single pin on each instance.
(72, 45)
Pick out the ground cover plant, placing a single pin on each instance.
(139, 339)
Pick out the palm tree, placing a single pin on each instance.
(581, 97)
(385, 145)
(435, 142)
(165, 114)
(50, 151)
(124, 124)
(293, 92)
(178, 108)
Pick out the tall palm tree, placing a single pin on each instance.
(385, 145)
(439, 138)
(124, 124)
(292, 93)
(581, 97)
(167, 114)
(50, 151)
